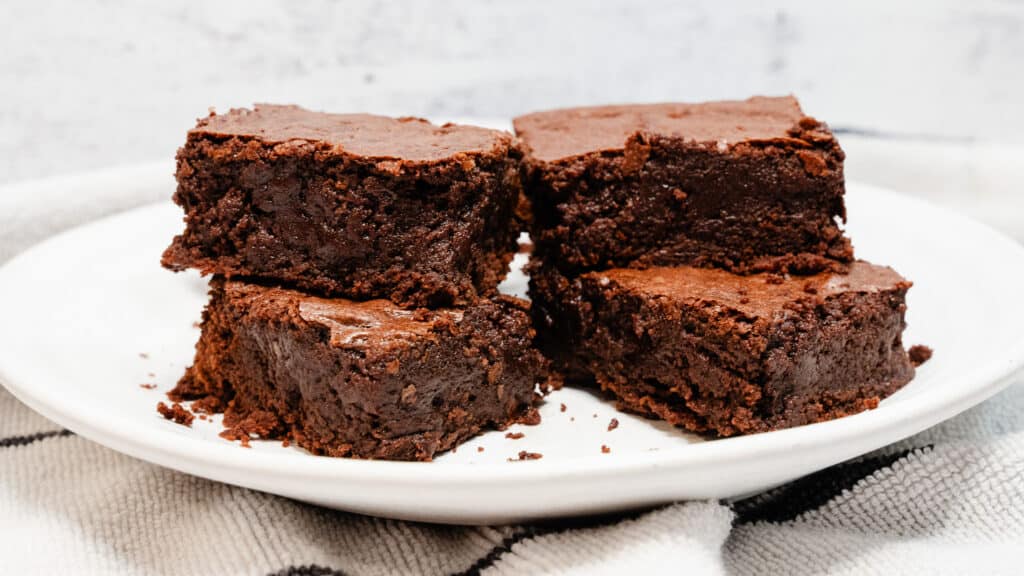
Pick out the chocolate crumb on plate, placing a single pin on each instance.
(479, 448)
(176, 413)
(605, 449)
(232, 435)
(613, 424)
(562, 407)
(524, 455)
(208, 405)
(258, 423)
(147, 386)
(514, 435)
(919, 354)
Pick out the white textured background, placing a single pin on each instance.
(96, 82)
(99, 82)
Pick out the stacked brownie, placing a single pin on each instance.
(355, 262)
(689, 260)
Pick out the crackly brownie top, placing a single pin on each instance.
(366, 135)
(758, 295)
(370, 324)
(561, 134)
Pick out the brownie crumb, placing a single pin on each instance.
(196, 325)
(234, 434)
(175, 412)
(530, 417)
(605, 449)
(919, 354)
(479, 448)
(562, 407)
(258, 423)
(203, 417)
(524, 455)
(514, 435)
(613, 424)
(147, 386)
(286, 443)
(208, 405)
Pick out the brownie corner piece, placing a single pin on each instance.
(724, 354)
(350, 205)
(746, 186)
(362, 379)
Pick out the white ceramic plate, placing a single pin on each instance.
(80, 310)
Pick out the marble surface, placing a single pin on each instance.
(92, 83)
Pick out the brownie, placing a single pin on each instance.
(746, 186)
(351, 205)
(362, 379)
(720, 353)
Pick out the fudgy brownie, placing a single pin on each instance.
(349, 205)
(362, 379)
(746, 186)
(715, 352)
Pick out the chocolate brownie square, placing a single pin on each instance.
(746, 186)
(349, 205)
(362, 379)
(725, 354)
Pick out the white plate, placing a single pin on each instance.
(79, 309)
